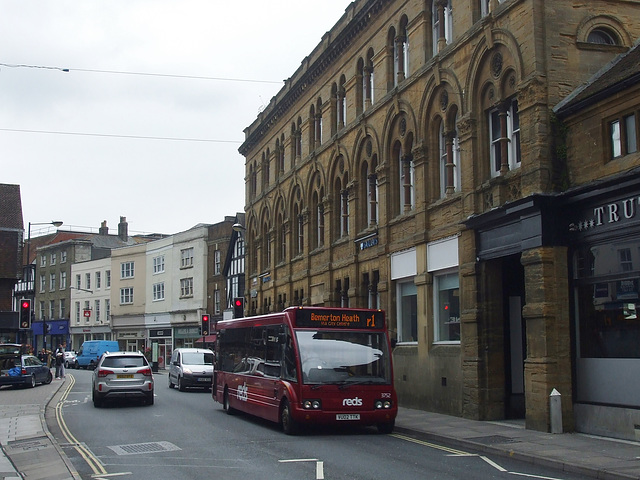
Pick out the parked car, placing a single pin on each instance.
(25, 370)
(70, 360)
(191, 367)
(91, 350)
(121, 375)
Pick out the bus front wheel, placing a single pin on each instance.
(289, 425)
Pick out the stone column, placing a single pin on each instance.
(548, 325)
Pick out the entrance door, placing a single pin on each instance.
(514, 338)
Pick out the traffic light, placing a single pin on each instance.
(238, 307)
(25, 313)
(204, 324)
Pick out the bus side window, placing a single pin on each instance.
(273, 356)
(289, 370)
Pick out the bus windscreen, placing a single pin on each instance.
(341, 357)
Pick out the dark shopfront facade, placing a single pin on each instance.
(558, 291)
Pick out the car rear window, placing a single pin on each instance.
(124, 362)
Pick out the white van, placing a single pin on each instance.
(191, 367)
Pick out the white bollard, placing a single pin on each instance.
(555, 411)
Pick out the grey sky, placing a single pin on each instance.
(92, 165)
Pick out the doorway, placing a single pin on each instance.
(514, 337)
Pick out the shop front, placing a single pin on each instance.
(604, 223)
(185, 337)
(160, 343)
(131, 340)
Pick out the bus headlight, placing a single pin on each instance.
(311, 405)
(383, 404)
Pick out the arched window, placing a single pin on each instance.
(281, 239)
(406, 180)
(371, 180)
(299, 139)
(266, 247)
(341, 104)
(266, 169)
(312, 127)
(504, 132)
(298, 229)
(449, 160)
(602, 36)
(402, 50)
(369, 93)
(318, 123)
(318, 218)
(442, 24)
(392, 72)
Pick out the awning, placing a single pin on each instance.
(207, 339)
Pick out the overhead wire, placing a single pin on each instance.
(118, 72)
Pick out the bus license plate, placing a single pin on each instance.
(348, 416)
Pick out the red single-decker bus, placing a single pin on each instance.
(308, 365)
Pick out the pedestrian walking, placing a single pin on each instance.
(59, 362)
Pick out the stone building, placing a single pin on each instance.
(411, 163)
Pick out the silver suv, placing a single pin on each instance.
(122, 375)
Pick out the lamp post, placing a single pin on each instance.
(55, 223)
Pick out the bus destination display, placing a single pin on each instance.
(312, 318)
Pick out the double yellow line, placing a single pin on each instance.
(88, 457)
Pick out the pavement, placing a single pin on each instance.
(29, 451)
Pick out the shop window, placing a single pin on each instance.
(447, 307)
(607, 297)
(407, 311)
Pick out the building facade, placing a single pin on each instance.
(90, 305)
(11, 241)
(411, 164)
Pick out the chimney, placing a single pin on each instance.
(123, 229)
(104, 230)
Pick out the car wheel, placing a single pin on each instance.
(33, 381)
(289, 425)
(66, 364)
(97, 401)
(225, 403)
(180, 384)
(171, 385)
(150, 398)
(49, 378)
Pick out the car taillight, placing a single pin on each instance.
(23, 371)
(145, 371)
(103, 373)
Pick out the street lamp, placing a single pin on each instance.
(239, 228)
(55, 223)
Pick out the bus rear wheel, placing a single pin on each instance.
(386, 428)
(225, 402)
(289, 425)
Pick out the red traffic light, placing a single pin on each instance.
(205, 318)
(238, 302)
(26, 304)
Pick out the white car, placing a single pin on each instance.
(70, 360)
